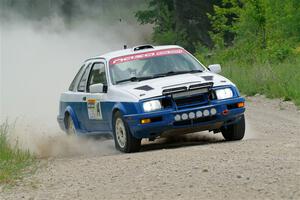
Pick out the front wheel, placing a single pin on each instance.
(234, 131)
(124, 140)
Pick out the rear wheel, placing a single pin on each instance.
(234, 131)
(70, 127)
(124, 140)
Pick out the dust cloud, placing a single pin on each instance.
(38, 61)
(46, 143)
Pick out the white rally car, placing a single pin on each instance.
(147, 92)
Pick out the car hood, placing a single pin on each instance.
(154, 87)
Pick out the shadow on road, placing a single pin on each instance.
(182, 141)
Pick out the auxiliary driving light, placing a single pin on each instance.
(213, 111)
(184, 116)
(206, 113)
(191, 115)
(199, 114)
(177, 118)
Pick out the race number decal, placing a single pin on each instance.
(94, 109)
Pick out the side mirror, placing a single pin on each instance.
(215, 68)
(97, 88)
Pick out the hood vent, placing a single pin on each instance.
(207, 78)
(144, 88)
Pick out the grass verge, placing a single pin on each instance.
(13, 161)
(275, 81)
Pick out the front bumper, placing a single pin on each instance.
(168, 124)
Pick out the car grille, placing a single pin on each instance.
(192, 96)
(191, 101)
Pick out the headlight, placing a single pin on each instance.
(151, 105)
(224, 93)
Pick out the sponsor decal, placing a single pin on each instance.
(145, 55)
(94, 109)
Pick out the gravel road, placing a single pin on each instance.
(265, 165)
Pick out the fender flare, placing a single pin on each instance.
(73, 116)
(117, 107)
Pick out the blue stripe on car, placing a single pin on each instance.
(133, 114)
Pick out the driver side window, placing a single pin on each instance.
(97, 75)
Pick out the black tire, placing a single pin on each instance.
(131, 144)
(235, 131)
(70, 127)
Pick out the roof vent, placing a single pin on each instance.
(142, 47)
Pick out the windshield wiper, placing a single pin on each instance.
(171, 73)
(135, 79)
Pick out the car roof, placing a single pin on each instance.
(133, 50)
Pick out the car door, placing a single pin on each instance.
(94, 120)
(77, 97)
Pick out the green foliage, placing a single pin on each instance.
(178, 22)
(263, 56)
(161, 15)
(274, 80)
(13, 161)
(223, 20)
(265, 31)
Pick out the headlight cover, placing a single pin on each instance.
(152, 105)
(225, 93)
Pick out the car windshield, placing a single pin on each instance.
(153, 64)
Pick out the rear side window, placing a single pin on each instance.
(75, 80)
(82, 83)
